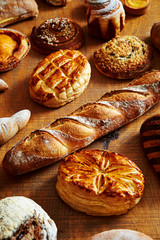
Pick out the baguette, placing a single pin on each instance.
(3, 85)
(9, 126)
(88, 123)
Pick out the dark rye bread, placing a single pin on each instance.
(85, 125)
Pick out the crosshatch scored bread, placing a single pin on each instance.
(60, 78)
(99, 183)
(85, 125)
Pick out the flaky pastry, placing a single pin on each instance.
(99, 182)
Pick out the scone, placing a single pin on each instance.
(150, 137)
(58, 3)
(12, 11)
(60, 78)
(105, 18)
(120, 234)
(14, 46)
(99, 183)
(55, 34)
(125, 57)
(22, 218)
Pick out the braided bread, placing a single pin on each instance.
(82, 127)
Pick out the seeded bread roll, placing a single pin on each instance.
(22, 218)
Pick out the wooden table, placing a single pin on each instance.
(40, 185)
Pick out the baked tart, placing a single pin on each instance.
(136, 7)
(58, 3)
(99, 182)
(60, 78)
(14, 46)
(23, 219)
(55, 34)
(124, 57)
(105, 18)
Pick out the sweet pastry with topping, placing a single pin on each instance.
(13, 11)
(105, 18)
(60, 78)
(124, 57)
(14, 46)
(136, 7)
(150, 136)
(99, 183)
(55, 34)
(120, 234)
(58, 3)
(22, 218)
(155, 35)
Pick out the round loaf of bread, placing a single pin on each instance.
(22, 218)
(60, 78)
(124, 57)
(120, 234)
(99, 183)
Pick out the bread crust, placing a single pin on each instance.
(125, 57)
(85, 125)
(99, 183)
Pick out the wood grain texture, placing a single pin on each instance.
(40, 185)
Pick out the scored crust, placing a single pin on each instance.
(20, 50)
(100, 183)
(120, 234)
(124, 57)
(60, 78)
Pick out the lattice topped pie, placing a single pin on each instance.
(60, 78)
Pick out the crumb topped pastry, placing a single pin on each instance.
(105, 18)
(60, 78)
(99, 182)
(55, 34)
(58, 3)
(14, 46)
(22, 218)
(124, 57)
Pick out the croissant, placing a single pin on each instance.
(80, 128)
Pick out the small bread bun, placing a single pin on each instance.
(155, 35)
(150, 136)
(60, 78)
(138, 7)
(99, 183)
(120, 234)
(55, 34)
(124, 57)
(14, 46)
(22, 218)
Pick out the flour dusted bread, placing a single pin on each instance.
(125, 57)
(9, 126)
(83, 126)
(60, 78)
(13, 11)
(120, 234)
(99, 183)
(22, 218)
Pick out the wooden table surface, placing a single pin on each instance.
(40, 185)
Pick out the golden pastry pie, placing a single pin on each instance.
(105, 18)
(55, 34)
(14, 46)
(99, 182)
(136, 7)
(124, 57)
(60, 78)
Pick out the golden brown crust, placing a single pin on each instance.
(99, 182)
(58, 3)
(105, 19)
(136, 8)
(55, 34)
(60, 78)
(124, 57)
(19, 49)
(155, 35)
(83, 126)
(17, 10)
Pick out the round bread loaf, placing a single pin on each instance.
(155, 35)
(124, 57)
(60, 78)
(22, 218)
(99, 183)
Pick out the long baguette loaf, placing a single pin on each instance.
(82, 127)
